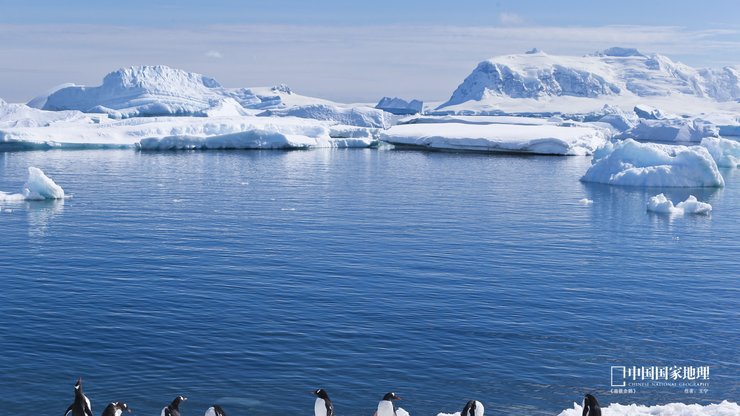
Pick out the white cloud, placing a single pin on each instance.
(510, 19)
(348, 63)
(214, 54)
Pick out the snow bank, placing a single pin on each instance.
(629, 163)
(400, 106)
(725, 408)
(537, 139)
(660, 204)
(725, 152)
(37, 187)
(356, 116)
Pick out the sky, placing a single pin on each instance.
(347, 51)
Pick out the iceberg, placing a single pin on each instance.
(189, 132)
(660, 204)
(535, 139)
(648, 113)
(37, 187)
(726, 408)
(399, 106)
(671, 130)
(630, 163)
(354, 116)
(724, 151)
(147, 91)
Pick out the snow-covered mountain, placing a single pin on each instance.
(610, 75)
(161, 90)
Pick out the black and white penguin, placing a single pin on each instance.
(173, 409)
(591, 406)
(386, 407)
(322, 406)
(473, 408)
(116, 409)
(81, 405)
(215, 410)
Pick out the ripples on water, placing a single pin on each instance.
(250, 278)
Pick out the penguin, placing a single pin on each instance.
(81, 405)
(116, 409)
(385, 407)
(215, 410)
(473, 408)
(173, 409)
(322, 406)
(591, 406)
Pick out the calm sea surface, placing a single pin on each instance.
(250, 278)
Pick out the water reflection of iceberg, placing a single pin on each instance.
(40, 215)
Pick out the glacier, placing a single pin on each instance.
(630, 163)
(38, 186)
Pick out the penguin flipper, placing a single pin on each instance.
(69, 409)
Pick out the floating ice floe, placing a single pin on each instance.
(660, 204)
(536, 139)
(725, 152)
(630, 163)
(725, 408)
(37, 187)
(237, 132)
(672, 130)
(586, 201)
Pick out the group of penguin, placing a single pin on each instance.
(322, 407)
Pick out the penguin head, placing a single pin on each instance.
(590, 400)
(176, 403)
(391, 396)
(124, 406)
(78, 384)
(321, 394)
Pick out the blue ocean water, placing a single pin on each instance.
(250, 278)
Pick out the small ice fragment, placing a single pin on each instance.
(586, 201)
(660, 204)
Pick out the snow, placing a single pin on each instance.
(37, 187)
(648, 113)
(726, 153)
(725, 408)
(355, 116)
(629, 163)
(400, 106)
(160, 90)
(190, 132)
(660, 204)
(537, 139)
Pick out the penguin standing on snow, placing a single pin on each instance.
(322, 406)
(173, 409)
(81, 405)
(116, 409)
(386, 407)
(215, 410)
(591, 406)
(473, 408)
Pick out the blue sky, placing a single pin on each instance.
(341, 50)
